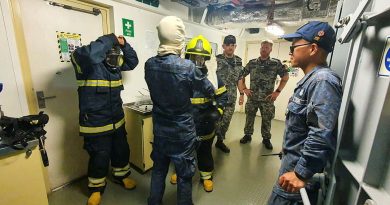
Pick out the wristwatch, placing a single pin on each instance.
(300, 177)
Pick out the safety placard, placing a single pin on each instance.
(384, 69)
(128, 27)
(67, 43)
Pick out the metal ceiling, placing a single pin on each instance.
(258, 13)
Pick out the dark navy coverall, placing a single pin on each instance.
(171, 81)
(101, 115)
(205, 111)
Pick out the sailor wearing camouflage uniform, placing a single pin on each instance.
(261, 95)
(229, 68)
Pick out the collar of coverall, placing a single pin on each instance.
(171, 32)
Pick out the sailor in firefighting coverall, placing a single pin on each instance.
(98, 69)
(172, 81)
(207, 111)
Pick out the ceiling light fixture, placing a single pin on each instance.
(274, 29)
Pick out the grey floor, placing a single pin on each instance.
(242, 177)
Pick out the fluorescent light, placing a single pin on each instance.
(274, 29)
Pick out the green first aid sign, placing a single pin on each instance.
(128, 27)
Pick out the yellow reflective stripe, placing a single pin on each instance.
(206, 175)
(220, 111)
(120, 172)
(207, 137)
(196, 101)
(220, 90)
(102, 128)
(77, 65)
(96, 182)
(120, 123)
(99, 83)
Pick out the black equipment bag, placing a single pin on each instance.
(17, 132)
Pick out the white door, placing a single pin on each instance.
(41, 21)
(280, 50)
(9, 97)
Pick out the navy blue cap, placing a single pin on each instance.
(317, 32)
(229, 39)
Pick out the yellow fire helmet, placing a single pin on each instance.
(199, 46)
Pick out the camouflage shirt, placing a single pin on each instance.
(229, 70)
(263, 75)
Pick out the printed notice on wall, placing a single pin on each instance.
(151, 43)
(293, 71)
(384, 68)
(67, 43)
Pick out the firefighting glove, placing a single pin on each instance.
(210, 115)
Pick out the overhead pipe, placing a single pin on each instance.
(94, 11)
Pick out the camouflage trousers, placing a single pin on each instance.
(267, 110)
(223, 124)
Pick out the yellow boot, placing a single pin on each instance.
(129, 183)
(94, 199)
(173, 179)
(208, 185)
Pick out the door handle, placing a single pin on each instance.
(41, 99)
(46, 98)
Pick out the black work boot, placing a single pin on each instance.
(246, 139)
(267, 143)
(220, 145)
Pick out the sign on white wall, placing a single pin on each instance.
(128, 27)
(67, 43)
(384, 69)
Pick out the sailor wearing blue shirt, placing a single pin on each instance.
(311, 120)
